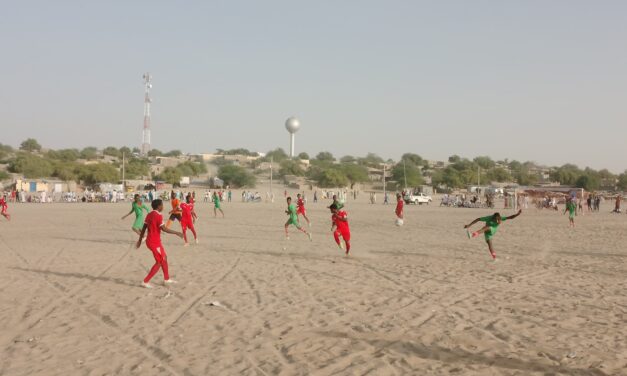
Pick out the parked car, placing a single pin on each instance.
(417, 199)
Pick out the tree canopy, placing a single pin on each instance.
(30, 144)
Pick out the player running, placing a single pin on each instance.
(571, 207)
(293, 220)
(339, 227)
(216, 205)
(138, 207)
(187, 219)
(4, 207)
(175, 214)
(300, 204)
(154, 226)
(492, 224)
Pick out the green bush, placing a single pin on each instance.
(237, 176)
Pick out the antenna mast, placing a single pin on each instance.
(146, 132)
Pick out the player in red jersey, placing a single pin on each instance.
(300, 205)
(399, 206)
(4, 207)
(154, 225)
(339, 226)
(193, 201)
(187, 219)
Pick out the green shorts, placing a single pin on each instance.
(488, 235)
(293, 221)
(139, 223)
(571, 215)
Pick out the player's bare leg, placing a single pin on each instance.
(491, 249)
(480, 231)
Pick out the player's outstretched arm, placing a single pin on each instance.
(472, 223)
(141, 236)
(515, 215)
(129, 213)
(168, 231)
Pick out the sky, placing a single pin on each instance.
(535, 80)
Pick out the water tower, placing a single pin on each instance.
(292, 125)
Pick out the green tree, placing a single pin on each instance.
(567, 174)
(348, 159)
(112, 151)
(413, 158)
(589, 182)
(325, 156)
(89, 153)
(499, 175)
(31, 166)
(454, 159)
(4, 175)
(170, 175)
(154, 153)
(173, 153)
(30, 144)
(126, 151)
(449, 178)
(189, 168)
(98, 173)
(524, 177)
(5, 150)
(277, 155)
(332, 178)
(622, 181)
(236, 176)
(407, 171)
(67, 155)
(484, 162)
(136, 168)
(303, 156)
(66, 171)
(290, 167)
(370, 160)
(354, 173)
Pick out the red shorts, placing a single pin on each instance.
(157, 251)
(301, 211)
(186, 224)
(346, 234)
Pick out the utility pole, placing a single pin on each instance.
(405, 174)
(271, 163)
(384, 191)
(123, 172)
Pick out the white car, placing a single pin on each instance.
(418, 199)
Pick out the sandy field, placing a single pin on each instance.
(422, 299)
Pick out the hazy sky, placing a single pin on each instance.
(529, 80)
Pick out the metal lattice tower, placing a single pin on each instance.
(146, 132)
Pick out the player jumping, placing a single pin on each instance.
(492, 224)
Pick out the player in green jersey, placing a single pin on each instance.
(492, 224)
(138, 207)
(293, 219)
